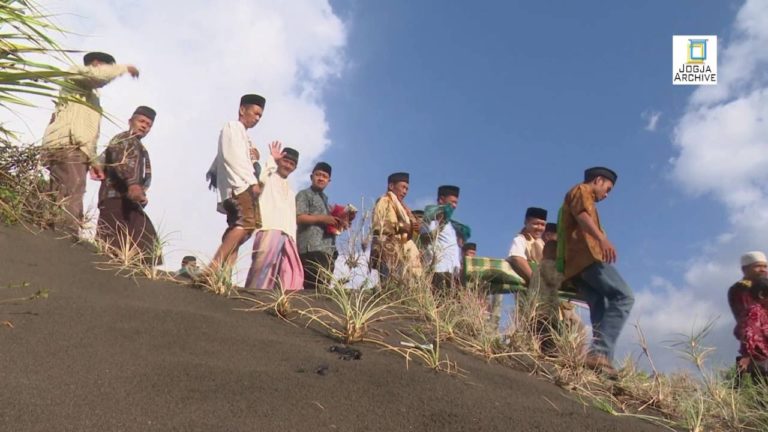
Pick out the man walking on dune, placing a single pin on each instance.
(586, 256)
(234, 174)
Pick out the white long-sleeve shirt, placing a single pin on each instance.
(234, 168)
(445, 250)
(277, 201)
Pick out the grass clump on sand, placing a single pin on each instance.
(353, 312)
(23, 188)
(27, 54)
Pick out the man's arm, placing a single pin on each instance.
(518, 259)
(94, 77)
(590, 228)
(521, 267)
(310, 219)
(304, 217)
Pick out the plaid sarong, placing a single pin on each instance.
(497, 276)
(495, 273)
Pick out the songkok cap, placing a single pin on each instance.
(418, 212)
(100, 56)
(551, 227)
(593, 172)
(469, 246)
(291, 154)
(322, 166)
(536, 213)
(399, 177)
(448, 190)
(146, 112)
(253, 99)
(753, 257)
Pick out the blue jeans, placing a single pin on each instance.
(610, 300)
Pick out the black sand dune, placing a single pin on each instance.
(104, 353)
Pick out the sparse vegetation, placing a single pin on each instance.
(707, 401)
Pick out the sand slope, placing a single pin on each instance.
(105, 353)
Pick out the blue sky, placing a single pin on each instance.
(509, 100)
(512, 101)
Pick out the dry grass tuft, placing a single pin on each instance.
(279, 302)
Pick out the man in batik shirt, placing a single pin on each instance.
(317, 246)
(586, 257)
(123, 224)
(754, 266)
(393, 251)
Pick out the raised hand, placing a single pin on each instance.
(276, 150)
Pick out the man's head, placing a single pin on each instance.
(535, 221)
(321, 176)
(550, 232)
(251, 110)
(601, 180)
(448, 194)
(754, 265)
(97, 59)
(189, 262)
(469, 249)
(398, 184)
(141, 121)
(419, 215)
(287, 164)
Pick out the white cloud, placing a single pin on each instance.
(722, 140)
(652, 119)
(196, 59)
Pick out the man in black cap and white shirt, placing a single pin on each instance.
(526, 246)
(69, 142)
(275, 262)
(444, 250)
(233, 174)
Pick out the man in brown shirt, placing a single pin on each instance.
(588, 258)
(123, 194)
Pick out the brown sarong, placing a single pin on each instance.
(123, 223)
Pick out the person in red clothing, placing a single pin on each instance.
(754, 331)
(754, 266)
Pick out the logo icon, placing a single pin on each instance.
(697, 51)
(694, 60)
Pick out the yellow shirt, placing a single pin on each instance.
(78, 113)
(392, 244)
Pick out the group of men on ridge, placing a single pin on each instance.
(294, 234)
